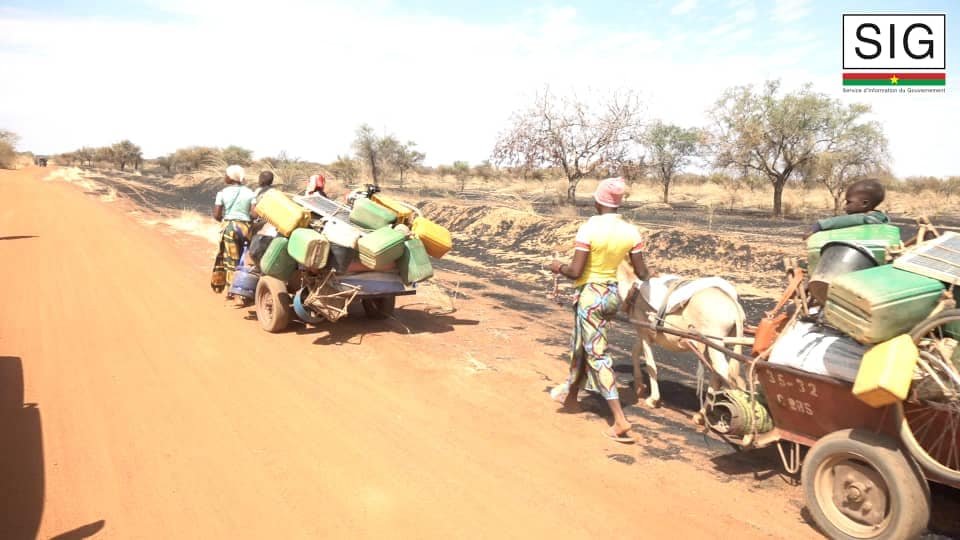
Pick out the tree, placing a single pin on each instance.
(166, 163)
(193, 158)
(124, 153)
(235, 155)
(859, 149)
(405, 157)
(86, 155)
(775, 135)
(566, 133)
(103, 154)
(368, 148)
(346, 169)
(485, 170)
(8, 149)
(671, 149)
(461, 171)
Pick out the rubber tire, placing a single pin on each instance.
(933, 467)
(379, 308)
(276, 290)
(909, 493)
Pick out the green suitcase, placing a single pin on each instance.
(880, 303)
(276, 262)
(415, 264)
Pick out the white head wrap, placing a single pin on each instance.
(235, 173)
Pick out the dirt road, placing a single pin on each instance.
(137, 404)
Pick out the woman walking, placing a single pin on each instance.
(602, 243)
(232, 208)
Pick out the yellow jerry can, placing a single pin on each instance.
(886, 371)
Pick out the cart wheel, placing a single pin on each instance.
(930, 420)
(859, 484)
(273, 304)
(379, 308)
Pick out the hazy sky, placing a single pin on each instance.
(301, 76)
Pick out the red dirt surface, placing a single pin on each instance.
(137, 404)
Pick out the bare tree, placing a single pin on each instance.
(775, 135)
(368, 146)
(568, 134)
(461, 171)
(671, 149)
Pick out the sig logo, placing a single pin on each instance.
(905, 53)
(894, 41)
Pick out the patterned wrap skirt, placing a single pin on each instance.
(233, 238)
(596, 306)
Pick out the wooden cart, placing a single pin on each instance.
(867, 469)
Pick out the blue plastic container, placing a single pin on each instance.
(244, 282)
(302, 310)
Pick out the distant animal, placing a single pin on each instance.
(707, 306)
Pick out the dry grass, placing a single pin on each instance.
(797, 202)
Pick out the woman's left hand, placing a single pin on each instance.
(555, 266)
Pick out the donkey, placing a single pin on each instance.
(711, 311)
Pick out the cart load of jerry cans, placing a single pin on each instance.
(865, 294)
(862, 368)
(325, 255)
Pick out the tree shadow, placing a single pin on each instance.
(21, 455)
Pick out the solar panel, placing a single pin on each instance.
(938, 259)
(319, 204)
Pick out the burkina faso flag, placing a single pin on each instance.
(895, 79)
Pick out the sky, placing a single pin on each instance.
(300, 76)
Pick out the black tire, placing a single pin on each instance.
(876, 472)
(274, 309)
(379, 308)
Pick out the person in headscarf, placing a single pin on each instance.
(316, 185)
(601, 244)
(232, 209)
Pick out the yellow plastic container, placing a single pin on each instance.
(886, 371)
(436, 239)
(404, 213)
(284, 214)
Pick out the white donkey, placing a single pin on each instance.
(707, 306)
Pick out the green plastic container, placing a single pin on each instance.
(276, 261)
(414, 264)
(381, 248)
(878, 238)
(371, 215)
(309, 248)
(878, 304)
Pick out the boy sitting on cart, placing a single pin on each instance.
(862, 199)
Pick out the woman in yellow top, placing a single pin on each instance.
(602, 243)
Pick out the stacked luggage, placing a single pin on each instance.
(867, 308)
